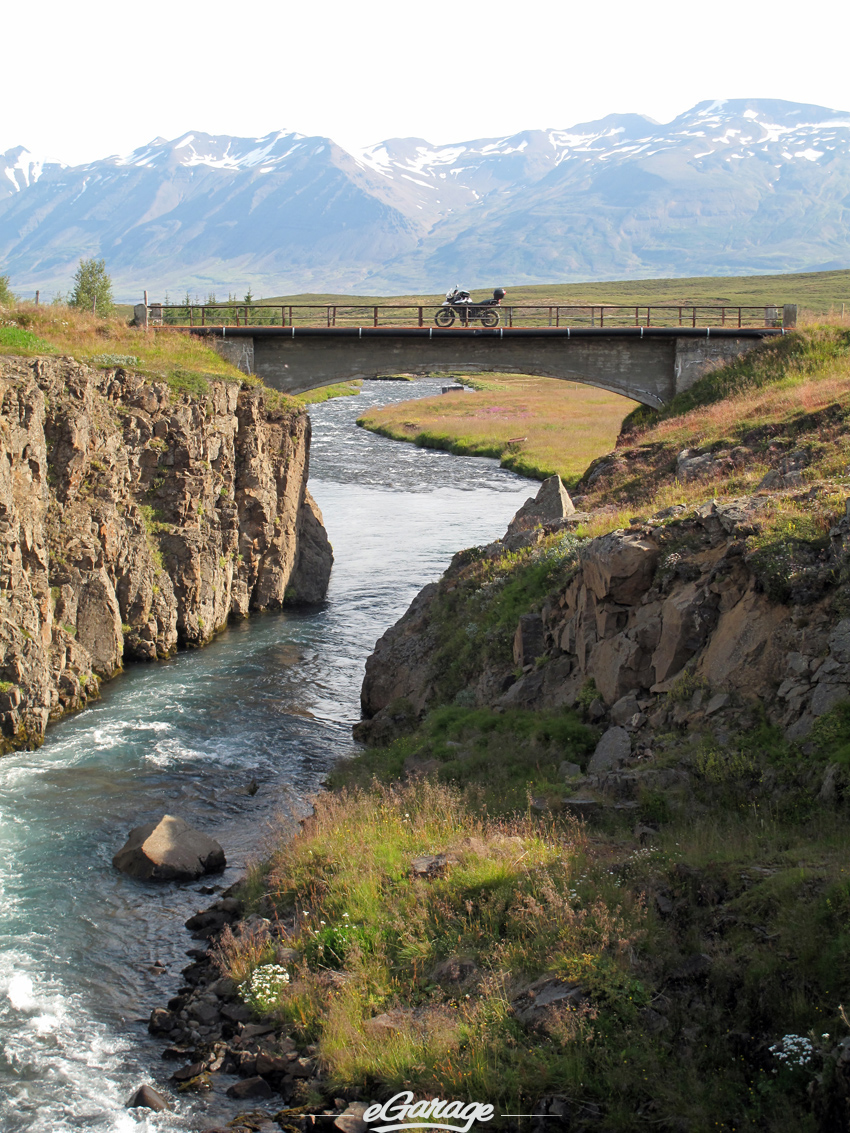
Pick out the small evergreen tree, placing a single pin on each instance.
(92, 288)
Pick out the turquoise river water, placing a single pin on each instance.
(271, 699)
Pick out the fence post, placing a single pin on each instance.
(789, 315)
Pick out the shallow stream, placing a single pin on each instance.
(271, 700)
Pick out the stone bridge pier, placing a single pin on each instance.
(647, 364)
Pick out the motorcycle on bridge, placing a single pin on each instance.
(459, 305)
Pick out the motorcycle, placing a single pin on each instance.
(459, 305)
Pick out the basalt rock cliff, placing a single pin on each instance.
(674, 623)
(135, 520)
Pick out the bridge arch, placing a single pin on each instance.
(648, 365)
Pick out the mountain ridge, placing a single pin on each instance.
(728, 187)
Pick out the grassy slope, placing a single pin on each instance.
(793, 394)
(535, 426)
(753, 875)
(185, 362)
(819, 292)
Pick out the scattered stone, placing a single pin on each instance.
(146, 1097)
(530, 1007)
(256, 1087)
(255, 1030)
(186, 1073)
(351, 1120)
(169, 850)
(235, 1012)
(455, 970)
(271, 1064)
(552, 502)
(429, 865)
(626, 707)
(569, 770)
(596, 710)
(162, 1021)
(614, 747)
(582, 804)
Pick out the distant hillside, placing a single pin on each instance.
(728, 188)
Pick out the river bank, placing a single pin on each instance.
(522, 422)
(596, 869)
(85, 952)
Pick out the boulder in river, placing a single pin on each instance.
(169, 850)
(146, 1097)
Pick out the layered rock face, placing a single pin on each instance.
(134, 520)
(676, 605)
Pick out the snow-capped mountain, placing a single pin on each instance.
(728, 187)
(19, 169)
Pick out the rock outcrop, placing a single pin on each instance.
(133, 521)
(677, 619)
(169, 850)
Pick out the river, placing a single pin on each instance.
(86, 953)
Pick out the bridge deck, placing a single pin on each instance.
(422, 316)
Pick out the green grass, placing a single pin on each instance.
(325, 393)
(505, 755)
(533, 426)
(183, 361)
(521, 897)
(15, 340)
(819, 292)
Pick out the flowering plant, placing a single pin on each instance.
(261, 990)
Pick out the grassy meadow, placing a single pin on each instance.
(533, 426)
(816, 293)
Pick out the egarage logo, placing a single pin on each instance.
(402, 1112)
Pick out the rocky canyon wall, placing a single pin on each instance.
(676, 622)
(135, 520)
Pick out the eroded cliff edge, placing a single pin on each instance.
(676, 622)
(134, 520)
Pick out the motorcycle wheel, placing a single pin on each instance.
(490, 319)
(444, 317)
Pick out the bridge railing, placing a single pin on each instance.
(423, 315)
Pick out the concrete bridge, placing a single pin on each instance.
(633, 351)
(649, 365)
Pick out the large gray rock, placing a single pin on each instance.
(551, 503)
(614, 747)
(169, 850)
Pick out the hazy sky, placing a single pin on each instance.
(83, 80)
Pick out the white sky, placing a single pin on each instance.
(87, 79)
